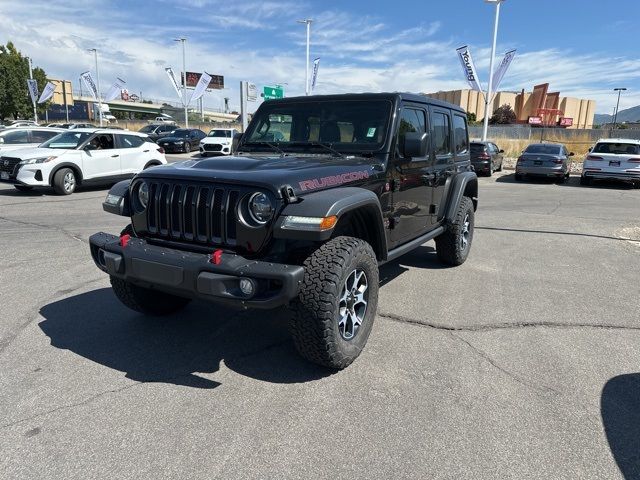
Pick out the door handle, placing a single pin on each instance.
(145, 151)
(114, 156)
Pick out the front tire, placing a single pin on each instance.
(454, 244)
(64, 181)
(336, 306)
(187, 147)
(146, 300)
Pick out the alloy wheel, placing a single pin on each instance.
(353, 304)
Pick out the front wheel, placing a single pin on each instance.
(336, 307)
(146, 300)
(187, 147)
(454, 244)
(64, 181)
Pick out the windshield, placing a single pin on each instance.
(617, 148)
(220, 133)
(345, 125)
(67, 140)
(181, 132)
(543, 149)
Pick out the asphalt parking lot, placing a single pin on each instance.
(522, 363)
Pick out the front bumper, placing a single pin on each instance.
(192, 275)
(173, 148)
(35, 175)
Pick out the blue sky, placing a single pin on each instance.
(583, 48)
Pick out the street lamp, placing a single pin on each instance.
(487, 98)
(615, 117)
(184, 81)
(308, 22)
(95, 54)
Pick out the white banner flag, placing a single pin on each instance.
(201, 86)
(116, 89)
(91, 85)
(314, 77)
(47, 92)
(468, 67)
(32, 85)
(502, 69)
(172, 77)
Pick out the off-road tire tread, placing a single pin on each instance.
(147, 301)
(313, 318)
(447, 245)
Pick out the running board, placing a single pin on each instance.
(407, 247)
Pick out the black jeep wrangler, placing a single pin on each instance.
(320, 192)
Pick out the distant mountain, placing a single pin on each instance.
(628, 115)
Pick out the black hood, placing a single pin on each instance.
(303, 173)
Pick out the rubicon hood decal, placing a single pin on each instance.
(333, 180)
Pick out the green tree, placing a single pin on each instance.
(471, 118)
(15, 101)
(503, 115)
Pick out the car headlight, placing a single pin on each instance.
(260, 208)
(143, 194)
(37, 160)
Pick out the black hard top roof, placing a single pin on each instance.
(392, 96)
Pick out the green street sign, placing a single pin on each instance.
(269, 93)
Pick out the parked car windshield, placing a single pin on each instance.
(617, 148)
(347, 125)
(220, 133)
(67, 140)
(181, 132)
(543, 149)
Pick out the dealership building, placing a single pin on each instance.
(537, 108)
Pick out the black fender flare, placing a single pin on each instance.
(463, 184)
(118, 199)
(338, 202)
(77, 170)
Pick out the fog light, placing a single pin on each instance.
(247, 287)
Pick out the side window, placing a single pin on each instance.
(495, 148)
(461, 135)
(40, 136)
(103, 142)
(21, 136)
(130, 141)
(441, 134)
(411, 120)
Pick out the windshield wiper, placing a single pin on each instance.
(318, 144)
(274, 147)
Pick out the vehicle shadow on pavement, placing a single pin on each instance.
(570, 182)
(423, 257)
(47, 191)
(620, 409)
(173, 349)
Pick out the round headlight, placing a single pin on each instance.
(143, 194)
(260, 208)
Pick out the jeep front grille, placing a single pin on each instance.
(194, 213)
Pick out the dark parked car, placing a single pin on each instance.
(182, 140)
(486, 157)
(358, 180)
(156, 131)
(544, 160)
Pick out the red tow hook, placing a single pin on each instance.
(124, 240)
(216, 257)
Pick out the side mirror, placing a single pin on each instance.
(235, 141)
(590, 148)
(500, 151)
(88, 147)
(571, 154)
(415, 144)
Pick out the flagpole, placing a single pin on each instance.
(487, 98)
(35, 110)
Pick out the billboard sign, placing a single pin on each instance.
(216, 82)
(565, 122)
(535, 120)
(269, 93)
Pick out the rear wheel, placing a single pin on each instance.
(336, 307)
(64, 181)
(490, 172)
(146, 300)
(23, 188)
(454, 244)
(500, 167)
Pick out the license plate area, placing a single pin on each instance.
(537, 163)
(614, 163)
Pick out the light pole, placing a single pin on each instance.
(615, 117)
(184, 81)
(35, 111)
(95, 54)
(487, 98)
(308, 22)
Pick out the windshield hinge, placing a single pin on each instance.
(288, 194)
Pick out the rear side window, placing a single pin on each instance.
(617, 148)
(131, 141)
(20, 136)
(460, 134)
(441, 134)
(39, 136)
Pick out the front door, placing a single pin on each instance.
(100, 158)
(409, 181)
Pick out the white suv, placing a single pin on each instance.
(218, 142)
(80, 156)
(27, 137)
(612, 158)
